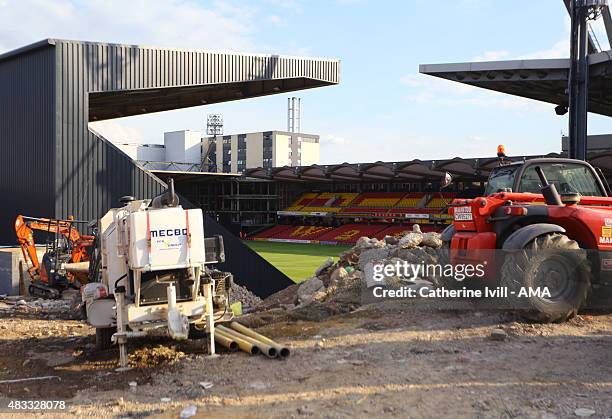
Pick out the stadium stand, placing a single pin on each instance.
(440, 200)
(303, 200)
(329, 202)
(370, 202)
(350, 233)
(272, 232)
(300, 233)
(412, 200)
(428, 209)
(398, 231)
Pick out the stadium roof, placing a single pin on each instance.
(545, 80)
(124, 80)
(466, 170)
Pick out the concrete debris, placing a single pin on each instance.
(362, 243)
(498, 334)
(372, 255)
(432, 240)
(583, 412)
(286, 298)
(165, 399)
(306, 292)
(337, 287)
(188, 412)
(410, 240)
(40, 307)
(392, 240)
(246, 297)
(206, 385)
(329, 262)
(338, 275)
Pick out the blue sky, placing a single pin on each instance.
(383, 109)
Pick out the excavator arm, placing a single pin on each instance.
(25, 237)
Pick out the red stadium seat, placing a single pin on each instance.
(350, 233)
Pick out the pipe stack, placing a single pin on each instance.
(239, 336)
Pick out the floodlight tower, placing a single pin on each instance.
(581, 12)
(214, 127)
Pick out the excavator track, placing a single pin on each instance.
(37, 289)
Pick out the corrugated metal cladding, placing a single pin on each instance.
(53, 165)
(27, 125)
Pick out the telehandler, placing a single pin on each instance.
(550, 220)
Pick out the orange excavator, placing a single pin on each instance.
(65, 263)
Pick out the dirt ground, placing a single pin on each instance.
(387, 360)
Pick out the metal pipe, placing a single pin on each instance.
(283, 351)
(244, 345)
(268, 350)
(226, 342)
(75, 267)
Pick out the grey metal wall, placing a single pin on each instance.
(27, 142)
(91, 173)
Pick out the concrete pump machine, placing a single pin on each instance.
(146, 269)
(152, 269)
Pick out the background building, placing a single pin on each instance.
(187, 151)
(238, 152)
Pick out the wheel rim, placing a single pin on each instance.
(557, 274)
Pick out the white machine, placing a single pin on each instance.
(152, 272)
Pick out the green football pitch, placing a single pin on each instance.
(296, 260)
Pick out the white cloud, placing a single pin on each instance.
(433, 90)
(294, 6)
(116, 132)
(492, 56)
(217, 25)
(559, 50)
(177, 23)
(335, 140)
(277, 21)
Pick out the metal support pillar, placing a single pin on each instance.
(578, 78)
(581, 11)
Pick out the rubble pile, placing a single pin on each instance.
(242, 294)
(67, 306)
(341, 283)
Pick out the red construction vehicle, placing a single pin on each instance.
(551, 221)
(63, 245)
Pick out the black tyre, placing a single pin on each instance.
(103, 337)
(444, 281)
(553, 262)
(195, 333)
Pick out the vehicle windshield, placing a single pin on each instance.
(500, 178)
(567, 178)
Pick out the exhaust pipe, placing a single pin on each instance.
(226, 342)
(268, 350)
(549, 190)
(166, 199)
(244, 345)
(283, 351)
